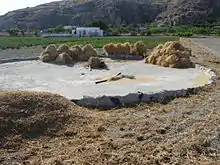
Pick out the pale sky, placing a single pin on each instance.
(8, 5)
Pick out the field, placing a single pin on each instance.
(18, 42)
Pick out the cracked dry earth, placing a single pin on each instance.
(185, 131)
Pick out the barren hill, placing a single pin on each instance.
(78, 12)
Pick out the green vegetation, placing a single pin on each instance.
(186, 30)
(154, 29)
(59, 29)
(18, 42)
(100, 24)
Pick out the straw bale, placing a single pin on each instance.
(171, 54)
(64, 58)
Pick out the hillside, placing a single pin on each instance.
(78, 12)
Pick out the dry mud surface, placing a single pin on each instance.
(185, 131)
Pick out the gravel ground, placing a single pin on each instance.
(185, 131)
(212, 44)
(20, 53)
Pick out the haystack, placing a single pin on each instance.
(88, 51)
(127, 48)
(96, 63)
(110, 48)
(64, 58)
(63, 48)
(118, 48)
(139, 48)
(49, 54)
(171, 54)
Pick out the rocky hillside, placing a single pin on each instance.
(78, 12)
(190, 11)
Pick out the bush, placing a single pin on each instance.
(142, 33)
(149, 33)
(133, 33)
(184, 34)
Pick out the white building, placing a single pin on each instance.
(87, 32)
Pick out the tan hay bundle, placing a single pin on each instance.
(140, 48)
(46, 58)
(119, 48)
(64, 58)
(171, 54)
(159, 60)
(74, 53)
(63, 48)
(110, 48)
(159, 47)
(51, 49)
(171, 59)
(89, 51)
(126, 48)
(80, 56)
(77, 53)
(106, 48)
(96, 63)
(49, 54)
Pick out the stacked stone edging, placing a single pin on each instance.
(107, 102)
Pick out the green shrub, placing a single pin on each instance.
(149, 33)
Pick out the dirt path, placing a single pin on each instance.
(185, 131)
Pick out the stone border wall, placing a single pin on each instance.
(107, 102)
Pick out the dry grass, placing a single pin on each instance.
(185, 131)
(172, 54)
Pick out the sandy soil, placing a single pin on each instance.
(185, 131)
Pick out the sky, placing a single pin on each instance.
(9, 5)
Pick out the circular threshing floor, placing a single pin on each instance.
(77, 81)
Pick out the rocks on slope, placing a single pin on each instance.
(79, 12)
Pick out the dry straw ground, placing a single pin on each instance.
(185, 131)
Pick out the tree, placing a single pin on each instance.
(22, 32)
(59, 29)
(37, 33)
(99, 23)
(13, 32)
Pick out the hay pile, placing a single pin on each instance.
(49, 54)
(117, 48)
(64, 58)
(88, 51)
(139, 48)
(96, 63)
(63, 48)
(67, 55)
(172, 54)
(76, 53)
(32, 114)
